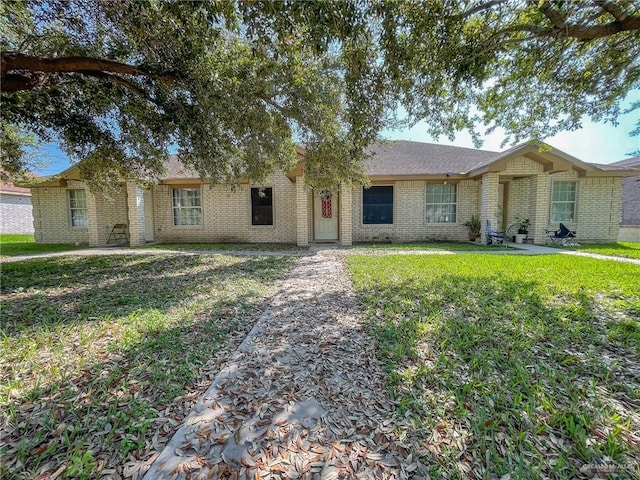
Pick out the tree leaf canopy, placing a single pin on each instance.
(234, 85)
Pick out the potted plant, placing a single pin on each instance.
(523, 229)
(474, 226)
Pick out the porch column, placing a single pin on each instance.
(346, 224)
(302, 213)
(539, 205)
(96, 228)
(135, 207)
(489, 202)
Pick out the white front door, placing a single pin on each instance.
(325, 214)
(149, 235)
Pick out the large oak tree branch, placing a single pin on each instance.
(117, 80)
(557, 18)
(578, 32)
(612, 8)
(19, 70)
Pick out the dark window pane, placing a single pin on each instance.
(261, 206)
(377, 205)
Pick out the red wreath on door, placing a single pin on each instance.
(326, 208)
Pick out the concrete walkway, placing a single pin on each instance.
(102, 251)
(303, 397)
(542, 250)
(517, 249)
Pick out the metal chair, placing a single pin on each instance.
(493, 236)
(118, 234)
(562, 237)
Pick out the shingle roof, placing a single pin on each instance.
(401, 157)
(415, 158)
(176, 169)
(629, 162)
(12, 189)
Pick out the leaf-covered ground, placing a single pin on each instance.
(511, 365)
(102, 357)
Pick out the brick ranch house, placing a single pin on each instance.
(630, 219)
(418, 192)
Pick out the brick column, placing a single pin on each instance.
(302, 213)
(135, 207)
(539, 203)
(489, 202)
(346, 222)
(96, 228)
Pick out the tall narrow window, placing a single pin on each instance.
(261, 206)
(563, 202)
(441, 203)
(78, 208)
(377, 205)
(187, 207)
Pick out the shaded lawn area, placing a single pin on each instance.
(102, 357)
(12, 245)
(450, 246)
(618, 249)
(528, 366)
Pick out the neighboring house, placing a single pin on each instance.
(15, 209)
(418, 192)
(630, 219)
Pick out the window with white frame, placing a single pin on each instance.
(563, 202)
(441, 203)
(78, 208)
(187, 207)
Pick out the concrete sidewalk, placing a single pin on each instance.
(529, 249)
(517, 249)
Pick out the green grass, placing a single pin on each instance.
(101, 354)
(14, 245)
(618, 249)
(16, 238)
(510, 365)
(449, 246)
(255, 247)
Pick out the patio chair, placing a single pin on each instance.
(118, 234)
(563, 237)
(494, 237)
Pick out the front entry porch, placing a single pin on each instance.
(324, 215)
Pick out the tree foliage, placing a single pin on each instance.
(532, 68)
(233, 84)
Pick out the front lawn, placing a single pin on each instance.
(102, 357)
(12, 245)
(618, 249)
(520, 366)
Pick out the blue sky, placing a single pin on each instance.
(594, 142)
